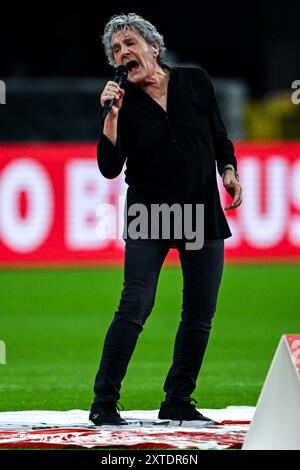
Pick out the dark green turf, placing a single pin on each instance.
(54, 321)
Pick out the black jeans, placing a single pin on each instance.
(202, 272)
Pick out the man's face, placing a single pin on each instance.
(130, 46)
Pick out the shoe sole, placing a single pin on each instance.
(109, 424)
(204, 421)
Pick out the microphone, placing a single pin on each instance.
(120, 78)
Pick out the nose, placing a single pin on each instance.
(124, 49)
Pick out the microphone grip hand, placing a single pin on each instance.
(112, 96)
(111, 99)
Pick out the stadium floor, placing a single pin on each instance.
(53, 323)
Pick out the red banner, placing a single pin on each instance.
(56, 208)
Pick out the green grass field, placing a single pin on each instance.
(54, 321)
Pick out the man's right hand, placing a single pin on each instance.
(112, 91)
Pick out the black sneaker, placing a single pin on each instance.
(182, 411)
(106, 414)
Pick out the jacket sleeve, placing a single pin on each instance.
(224, 149)
(110, 157)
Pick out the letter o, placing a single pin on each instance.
(24, 235)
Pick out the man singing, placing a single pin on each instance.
(166, 124)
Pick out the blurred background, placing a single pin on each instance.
(54, 61)
(60, 284)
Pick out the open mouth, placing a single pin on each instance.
(133, 66)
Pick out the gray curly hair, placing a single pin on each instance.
(135, 23)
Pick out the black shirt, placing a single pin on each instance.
(171, 155)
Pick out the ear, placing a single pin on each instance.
(155, 49)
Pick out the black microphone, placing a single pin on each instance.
(120, 78)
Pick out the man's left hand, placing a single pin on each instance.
(234, 188)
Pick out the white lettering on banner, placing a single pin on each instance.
(85, 190)
(25, 234)
(111, 217)
(294, 232)
(264, 230)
